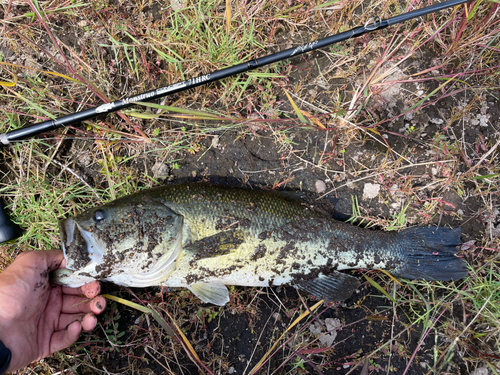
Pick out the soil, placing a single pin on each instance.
(239, 335)
(415, 148)
(234, 338)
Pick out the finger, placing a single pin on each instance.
(66, 337)
(89, 290)
(77, 304)
(54, 258)
(98, 305)
(87, 321)
(49, 260)
(92, 289)
(66, 319)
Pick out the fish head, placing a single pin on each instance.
(128, 236)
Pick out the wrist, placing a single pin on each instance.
(9, 348)
(5, 357)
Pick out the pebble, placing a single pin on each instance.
(160, 170)
(480, 371)
(320, 186)
(371, 190)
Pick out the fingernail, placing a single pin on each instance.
(98, 304)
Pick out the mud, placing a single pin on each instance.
(286, 155)
(241, 333)
(233, 339)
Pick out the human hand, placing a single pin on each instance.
(38, 318)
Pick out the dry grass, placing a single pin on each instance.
(412, 110)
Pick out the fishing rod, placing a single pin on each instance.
(8, 230)
(374, 24)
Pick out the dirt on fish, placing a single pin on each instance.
(389, 163)
(233, 339)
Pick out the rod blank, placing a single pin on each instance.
(372, 25)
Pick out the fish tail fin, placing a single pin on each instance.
(431, 254)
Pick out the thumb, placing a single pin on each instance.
(65, 338)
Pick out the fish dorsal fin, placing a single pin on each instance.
(215, 293)
(336, 286)
(155, 275)
(291, 195)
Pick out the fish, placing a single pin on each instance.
(206, 237)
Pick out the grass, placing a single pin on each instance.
(410, 108)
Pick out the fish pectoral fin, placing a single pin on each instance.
(221, 243)
(336, 286)
(215, 293)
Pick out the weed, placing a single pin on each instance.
(111, 327)
(411, 109)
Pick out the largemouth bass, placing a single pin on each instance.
(206, 237)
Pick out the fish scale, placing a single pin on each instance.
(204, 237)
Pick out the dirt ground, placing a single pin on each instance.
(384, 162)
(234, 338)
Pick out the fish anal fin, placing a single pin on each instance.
(214, 293)
(336, 286)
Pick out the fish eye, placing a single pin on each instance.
(99, 216)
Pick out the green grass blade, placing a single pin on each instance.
(379, 288)
(128, 303)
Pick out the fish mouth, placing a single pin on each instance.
(80, 247)
(66, 230)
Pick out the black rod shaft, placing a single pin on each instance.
(375, 24)
(8, 230)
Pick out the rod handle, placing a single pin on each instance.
(8, 230)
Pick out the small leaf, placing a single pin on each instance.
(264, 75)
(192, 112)
(485, 176)
(162, 322)
(9, 84)
(313, 119)
(296, 109)
(324, 5)
(373, 131)
(142, 115)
